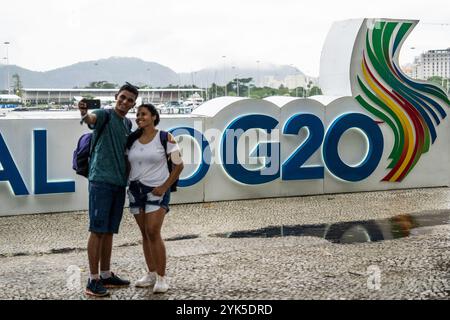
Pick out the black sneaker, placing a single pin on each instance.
(114, 282)
(95, 288)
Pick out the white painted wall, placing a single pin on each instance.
(63, 134)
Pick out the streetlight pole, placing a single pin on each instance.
(294, 81)
(179, 84)
(237, 81)
(224, 76)
(7, 65)
(149, 76)
(257, 75)
(297, 72)
(6, 78)
(215, 84)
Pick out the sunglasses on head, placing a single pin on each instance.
(131, 85)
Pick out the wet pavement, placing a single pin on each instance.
(374, 245)
(399, 226)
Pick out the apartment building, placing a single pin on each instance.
(432, 63)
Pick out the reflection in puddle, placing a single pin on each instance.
(396, 227)
(183, 237)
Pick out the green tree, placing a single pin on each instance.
(298, 92)
(283, 91)
(87, 96)
(439, 81)
(101, 85)
(215, 91)
(142, 85)
(261, 92)
(244, 84)
(315, 91)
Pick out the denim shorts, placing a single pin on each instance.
(141, 197)
(106, 203)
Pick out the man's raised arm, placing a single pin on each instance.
(88, 118)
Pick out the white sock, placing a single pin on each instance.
(93, 276)
(105, 274)
(161, 278)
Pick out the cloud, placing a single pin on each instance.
(189, 35)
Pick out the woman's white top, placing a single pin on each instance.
(149, 161)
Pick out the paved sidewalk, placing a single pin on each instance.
(39, 253)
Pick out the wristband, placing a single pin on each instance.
(83, 117)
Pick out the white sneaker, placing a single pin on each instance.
(146, 281)
(161, 285)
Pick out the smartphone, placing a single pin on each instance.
(92, 103)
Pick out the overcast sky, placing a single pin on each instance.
(190, 35)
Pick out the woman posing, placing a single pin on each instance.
(149, 191)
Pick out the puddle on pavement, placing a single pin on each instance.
(183, 237)
(396, 227)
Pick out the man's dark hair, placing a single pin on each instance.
(130, 88)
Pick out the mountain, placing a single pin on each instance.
(217, 75)
(115, 70)
(119, 69)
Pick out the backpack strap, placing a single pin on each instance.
(164, 136)
(133, 137)
(100, 131)
(129, 124)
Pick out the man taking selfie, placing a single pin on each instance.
(107, 183)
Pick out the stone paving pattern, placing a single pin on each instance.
(37, 252)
